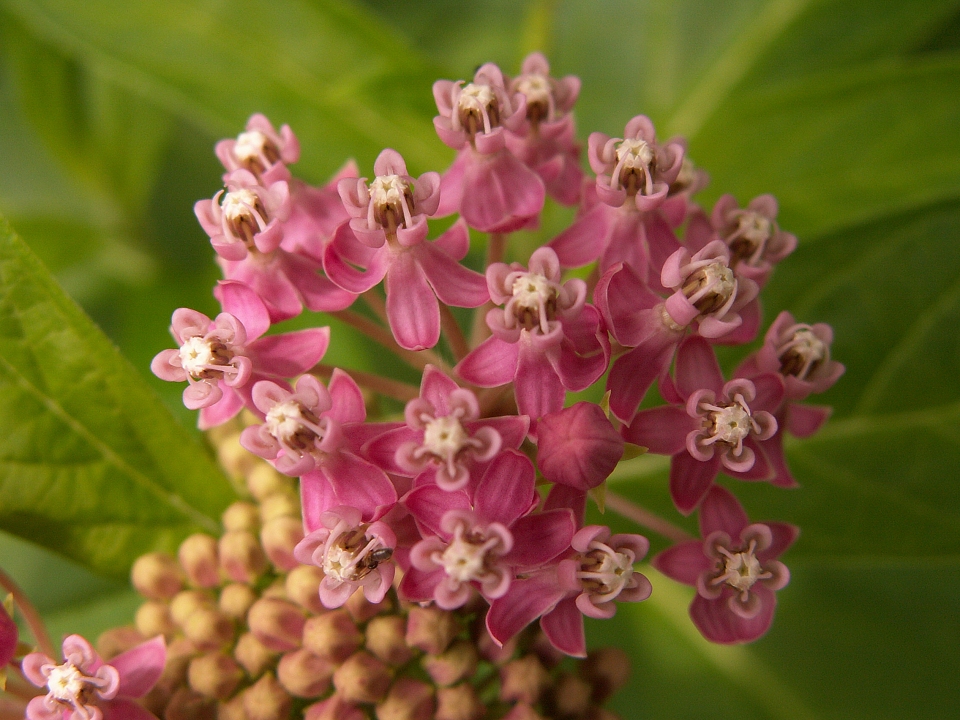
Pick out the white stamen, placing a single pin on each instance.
(284, 420)
(66, 682)
(754, 227)
(610, 570)
(250, 145)
(464, 560)
(239, 203)
(444, 437)
(634, 154)
(195, 356)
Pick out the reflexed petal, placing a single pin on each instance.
(722, 512)
(428, 504)
(452, 282)
(290, 354)
(563, 626)
(347, 404)
(662, 430)
(412, 307)
(540, 537)
(690, 479)
(493, 362)
(507, 489)
(140, 667)
(524, 602)
(697, 367)
(684, 562)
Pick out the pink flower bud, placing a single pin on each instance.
(431, 629)
(156, 576)
(198, 558)
(578, 446)
(187, 602)
(571, 696)
(303, 587)
(154, 618)
(459, 703)
(362, 678)
(304, 674)
(386, 639)
(523, 680)
(408, 699)
(278, 624)
(266, 700)
(241, 556)
(187, 704)
(263, 480)
(457, 663)
(241, 516)
(253, 655)
(215, 675)
(607, 669)
(208, 628)
(332, 635)
(279, 536)
(334, 708)
(236, 599)
(280, 504)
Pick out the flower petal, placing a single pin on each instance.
(507, 490)
(412, 307)
(140, 667)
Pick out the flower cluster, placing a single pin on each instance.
(471, 502)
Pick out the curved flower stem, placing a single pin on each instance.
(382, 336)
(496, 249)
(453, 333)
(30, 615)
(642, 516)
(382, 386)
(376, 305)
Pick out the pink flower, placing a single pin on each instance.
(481, 545)
(491, 189)
(86, 688)
(444, 440)
(386, 236)
(711, 425)
(310, 433)
(597, 574)
(755, 240)
(545, 338)
(315, 214)
(547, 142)
(734, 569)
(634, 166)
(261, 150)
(352, 554)
(578, 446)
(221, 359)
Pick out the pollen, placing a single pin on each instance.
(196, 355)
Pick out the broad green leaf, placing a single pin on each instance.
(91, 465)
(338, 77)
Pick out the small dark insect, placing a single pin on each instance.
(378, 556)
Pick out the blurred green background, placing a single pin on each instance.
(847, 110)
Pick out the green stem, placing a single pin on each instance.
(395, 389)
(645, 518)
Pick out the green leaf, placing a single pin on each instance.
(91, 464)
(338, 77)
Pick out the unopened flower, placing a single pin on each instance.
(546, 339)
(84, 687)
(352, 555)
(578, 446)
(221, 359)
(734, 569)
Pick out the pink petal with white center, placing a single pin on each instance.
(684, 562)
(525, 601)
(662, 430)
(452, 282)
(540, 537)
(500, 191)
(690, 479)
(755, 465)
(697, 367)
(346, 399)
(412, 307)
(563, 626)
(226, 408)
(804, 420)
(244, 304)
(537, 386)
(507, 489)
(140, 667)
(429, 503)
(722, 512)
(290, 354)
(493, 362)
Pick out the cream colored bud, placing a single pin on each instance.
(522, 711)
(607, 669)
(253, 655)
(179, 653)
(241, 516)
(362, 678)
(241, 557)
(199, 560)
(232, 709)
(332, 635)
(303, 587)
(279, 537)
(281, 504)
(215, 675)
(459, 703)
(457, 663)
(187, 704)
(571, 695)
(278, 624)
(334, 708)
(209, 629)
(431, 629)
(490, 651)
(235, 600)
(408, 699)
(187, 602)
(263, 481)
(117, 640)
(386, 639)
(523, 680)
(266, 700)
(156, 576)
(361, 609)
(154, 618)
(234, 458)
(276, 589)
(304, 674)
